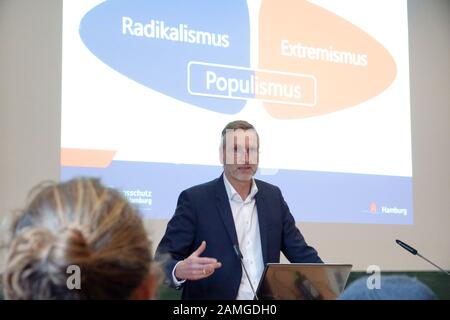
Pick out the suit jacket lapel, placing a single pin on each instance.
(223, 205)
(262, 208)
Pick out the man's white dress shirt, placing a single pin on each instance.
(245, 216)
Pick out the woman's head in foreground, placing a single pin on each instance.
(78, 240)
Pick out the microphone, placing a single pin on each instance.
(239, 255)
(415, 252)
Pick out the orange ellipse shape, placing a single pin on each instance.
(348, 64)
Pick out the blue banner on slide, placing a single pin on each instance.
(311, 196)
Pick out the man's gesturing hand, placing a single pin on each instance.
(195, 267)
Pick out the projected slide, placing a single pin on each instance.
(148, 86)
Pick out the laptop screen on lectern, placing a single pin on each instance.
(300, 281)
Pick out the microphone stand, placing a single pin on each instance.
(239, 255)
(415, 252)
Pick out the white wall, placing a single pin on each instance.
(30, 73)
(30, 69)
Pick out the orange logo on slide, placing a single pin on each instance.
(349, 66)
(373, 208)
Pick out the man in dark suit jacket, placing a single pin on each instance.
(232, 210)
